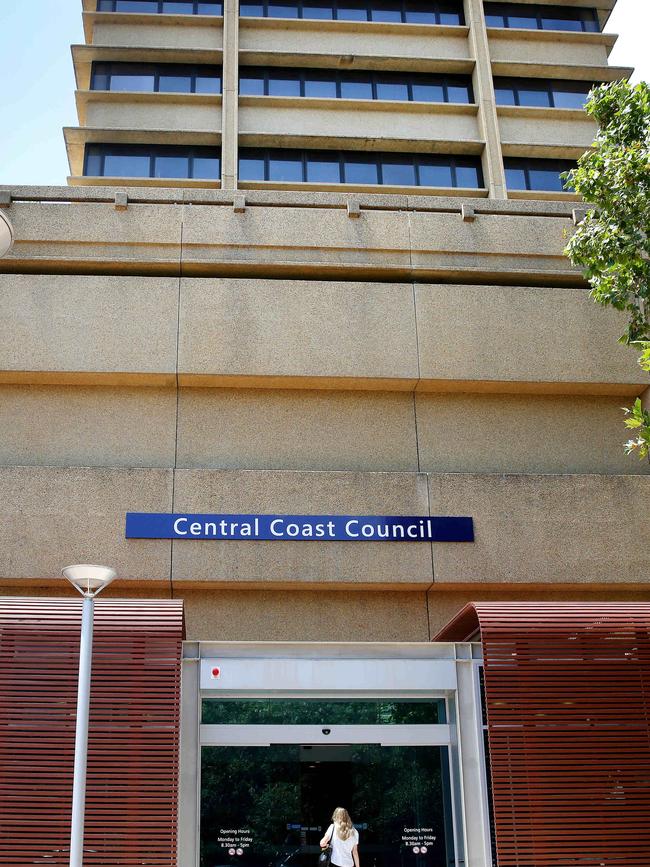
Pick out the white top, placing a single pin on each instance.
(342, 849)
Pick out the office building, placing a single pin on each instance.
(303, 314)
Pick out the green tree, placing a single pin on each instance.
(612, 243)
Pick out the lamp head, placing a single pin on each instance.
(89, 580)
(6, 235)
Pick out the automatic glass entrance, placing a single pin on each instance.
(273, 770)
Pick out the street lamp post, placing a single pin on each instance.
(89, 581)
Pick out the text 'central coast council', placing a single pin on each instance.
(343, 528)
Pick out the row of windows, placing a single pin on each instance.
(541, 17)
(321, 167)
(156, 78)
(542, 92)
(325, 83)
(152, 161)
(387, 11)
(336, 84)
(409, 11)
(164, 7)
(355, 167)
(412, 11)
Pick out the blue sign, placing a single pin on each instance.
(308, 528)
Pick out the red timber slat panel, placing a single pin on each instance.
(568, 708)
(134, 731)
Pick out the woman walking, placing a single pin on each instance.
(343, 837)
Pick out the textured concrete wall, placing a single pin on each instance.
(158, 34)
(152, 360)
(546, 47)
(352, 38)
(546, 128)
(530, 529)
(333, 121)
(226, 331)
(198, 115)
(357, 431)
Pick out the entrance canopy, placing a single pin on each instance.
(567, 690)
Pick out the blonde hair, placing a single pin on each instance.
(343, 826)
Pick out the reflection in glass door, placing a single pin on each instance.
(268, 806)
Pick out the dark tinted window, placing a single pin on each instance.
(360, 169)
(398, 172)
(283, 85)
(163, 78)
(435, 173)
(386, 11)
(273, 81)
(322, 87)
(390, 89)
(164, 7)
(541, 92)
(151, 161)
(323, 168)
(125, 165)
(359, 87)
(265, 711)
(356, 167)
(533, 17)
(531, 174)
(318, 9)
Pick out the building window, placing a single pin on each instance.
(335, 84)
(542, 92)
(358, 167)
(156, 78)
(540, 175)
(161, 7)
(152, 161)
(532, 17)
(387, 11)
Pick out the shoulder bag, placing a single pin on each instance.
(325, 856)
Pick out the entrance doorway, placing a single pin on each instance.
(272, 772)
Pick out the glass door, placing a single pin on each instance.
(268, 792)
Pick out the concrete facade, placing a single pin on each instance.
(167, 345)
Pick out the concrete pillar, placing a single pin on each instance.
(229, 118)
(495, 179)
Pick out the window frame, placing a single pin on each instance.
(416, 159)
(157, 70)
(548, 86)
(340, 77)
(195, 7)
(584, 15)
(103, 150)
(437, 7)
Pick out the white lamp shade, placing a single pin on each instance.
(6, 235)
(89, 579)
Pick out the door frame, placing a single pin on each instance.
(317, 670)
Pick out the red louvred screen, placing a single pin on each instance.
(568, 707)
(132, 780)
